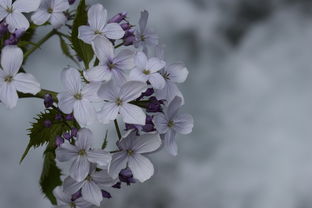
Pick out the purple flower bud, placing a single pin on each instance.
(117, 185)
(58, 117)
(106, 195)
(154, 105)
(58, 141)
(118, 17)
(129, 40)
(147, 93)
(74, 132)
(69, 117)
(76, 195)
(126, 26)
(66, 136)
(14, 38)
(71, 2)
(133, 126)
(48, 100)
(126, 176)
(47, 123)
(149, 125)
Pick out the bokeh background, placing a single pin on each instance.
(249, 90)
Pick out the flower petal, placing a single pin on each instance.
(60, 6)
(103, 49)
(5, 3)
(57, 20)
(161, 123)
(132, 90)
(141, 167)
(141, 60)
(86, 34)
(174, 106)
(137, 74)
(183, 123)
(80, 168)
(113, 31)
(108, 112)
(8, 95)
(92, 193)
(26, 5)
(97, 17)
(66, 102)
(17, 20)
(66, 152)
(170, 143)
(157, 81)
(169, 92)
(155, 64)
(71, 80)
(143, 21)
(109, 91)
(40, 17)
(177, 72)
(84, 139)
(146, 143)
(100, 157)
(103, 179)
(119, 162)
(26, 83)
(3, 13)
(11, 59)
(125, 59)
(132, 114)
(61, 196)
(71, 186)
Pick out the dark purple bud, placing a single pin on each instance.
(59, 140)
(76, 195)
(129, 40)
(147, 93)
(126, 176)
(66, 136)
(154, 105)
(47, 123)
(149, 125)
(69, 117)
(58, 117)
(126, 26)
(71, 2)
(106, 195)
(48, 100)
(14, 38)
(74, 132)
(133, 126)
(118, 17)
(117, 185)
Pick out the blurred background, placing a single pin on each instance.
(249, 91)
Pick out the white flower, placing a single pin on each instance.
(98, 27)
(147, 70)
(144, 36)
(78, 98)
(52, 11)
(12, 13)
(171, 122)
(117, 101)
(173, 73)
(82, 154)
(132, 147)
(111, 66)
(11, 81)
(64, 200)
(90, 187)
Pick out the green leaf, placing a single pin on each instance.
(104, 145)
(51, 174)
(40, 135)
(83, 50)
(65, 49)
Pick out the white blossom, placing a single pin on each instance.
(12, 13)
(11, 81)
(52, 11)
(131, 149)
(171, 122)
(64, 200)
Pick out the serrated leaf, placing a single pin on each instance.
(51, 174)
(83, 50)
(65, 49)
(40, 135)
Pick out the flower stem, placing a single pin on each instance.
(43, 40)
(39, 94)
(117, 129)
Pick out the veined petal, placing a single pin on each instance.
(169, 92)
(71, 186)
(157, 81)
(81, 203)
(125, 59)
(57, 19)
(161, 123)
(60, 6)
(66, 152)
(173, 107)
(86, 34)
(16, 20)
(5, 3)
(119, 76)
(26, 5)
(155, 64)
(132, 114)
(98, 73)
(109, 91)
(8, 95)
(132, 90)
(146, 143)
(141, 60)
(40, 17)
(61, 196)
(127, 139)
(170, 143)
(103, 49)
(3, 13)
(108, 112)
(113, 31)
(80, 168)
(100, 157)
(137, 74)
(141, 167)
(183, 123)
(177, 72)
(84, 112)
(26, 83)
(66, 102)
(11, 59)
(90, 91)
(84, 139)
(71, 80)
(103, 179)
(143, 21)
(92, 193)
(97, 17)
(119, 162)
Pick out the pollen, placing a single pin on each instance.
(111, 66)
(130, 152)
(8, 79)
(82, 152)
(118, 101)
(9, 9)
(50, 10)
(170, 124)
(97, 32)
(78, 96)
(146, 71)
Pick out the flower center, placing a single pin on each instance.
(170, 124)
(50, 10)
(142, 37)
(9, 9)
(166, 76)
(130, 152)
(110, 65)
(78, 96)
(72, 205)
(118, 101)
(89, 178)
(8, 79)
(146, 71)
(82, 152)
(97, 32)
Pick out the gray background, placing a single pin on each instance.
(249, 91)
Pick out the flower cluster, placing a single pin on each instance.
(127, 80)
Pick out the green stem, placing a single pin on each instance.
(39, 94)
(43, 40)
(119, 45)
(117, 129)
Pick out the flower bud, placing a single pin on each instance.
(117, 185)
(14, 38)
(69, 117)
(71, 2)
(48, 100)
(126, 26)
(74, 132)
(106, 194)
(47, 123)
(149, 125)
(154, 105)
(76, 195)
(67, 136)
(59, 117)
(126, 176)
(58, 141)
(118, 17)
